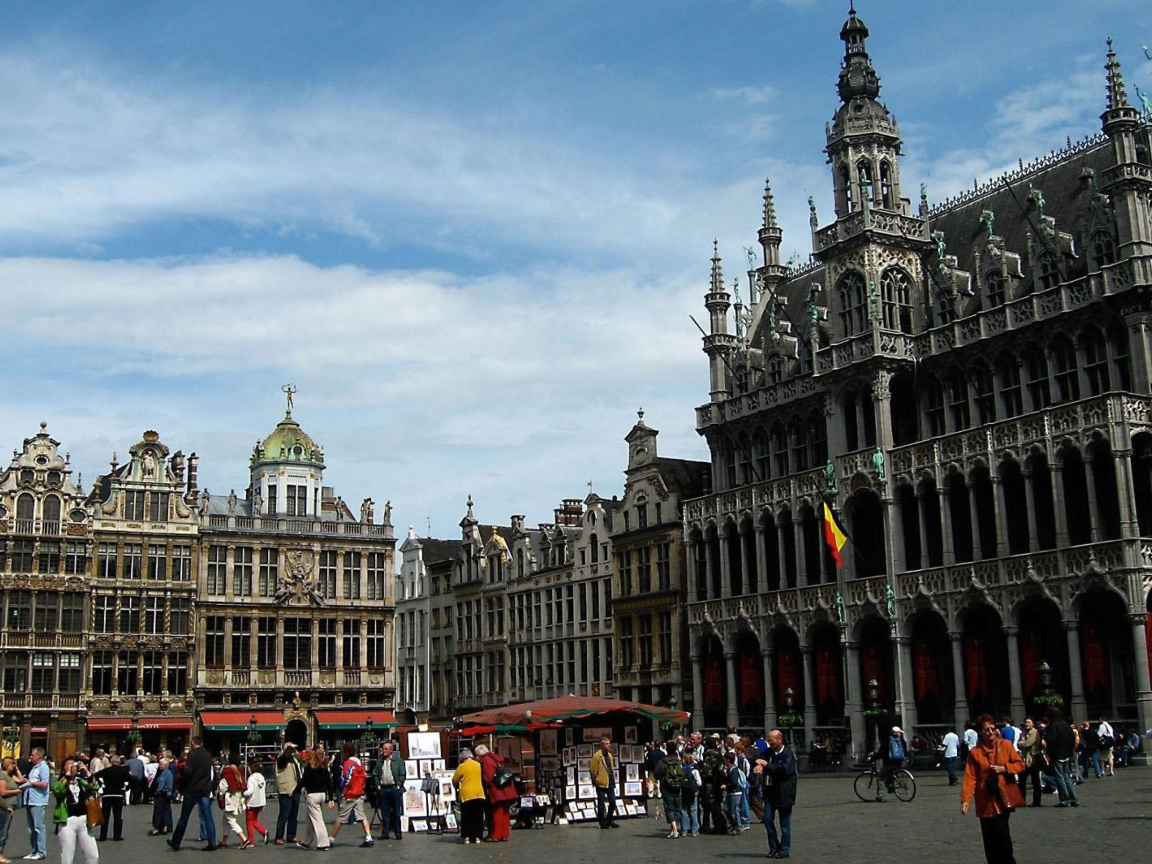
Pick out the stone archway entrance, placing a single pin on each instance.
(297, 732)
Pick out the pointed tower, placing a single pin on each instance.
(719, 343)
(1126, 181)
(772, 274)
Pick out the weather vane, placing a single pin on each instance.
(289, 391)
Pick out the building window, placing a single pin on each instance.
(1095, 353)
(663, 566)
(625, 566)
(1039, 392)
(645, 640)
(1103, 249)
(49, 557)
(297, 500)
(217, 570)
(129, 615)
(177, 673)
(134, 506)
(157, 512)
(105, 561)
(241, 643)
(128, 673)
(133, 561)
(326, 639)
(157, 562)
(47, 612)
(181, 563)
(266, 643)
(1048, 272)
(377, 567)
(104, 613)
(327, 585)
(853, 298)
(101, 673)
(271, 505)
(214, 641)
(1067, 372)
(934, 409)
(626, 642)
(994, 287)
(351, 629)
(69, 675)
(242, 571)
(22, 553)
(376, 654)
(644, 568)
(75, 558)
(72, 613)
(896, 295)
(153, 617)
(666, 638)
(153, 680)
(269, 571)
(958, 402)
(297, 643)
(179, 620)
(351, 575)
(43, 673)
(16, 672)
(1011, 396)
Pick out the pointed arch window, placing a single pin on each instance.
(985, 394)
(886, 197)
(775, 369)
(853, 303)
(799, 446)
(760, 447)
(780, 450)
(25, 507)
(896, 297)
(958, 401)
(933, 408)
(817, 440)
(1011, 395)
(1039, 391)
(994, 289)
(846, 184)
(1118, 343)
(1094, 351)
(1047, 272)
(1103, 249)
(1066, 373)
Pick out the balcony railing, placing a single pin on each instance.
(293, 525)
(298, 678)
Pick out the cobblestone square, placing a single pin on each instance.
(829, 824)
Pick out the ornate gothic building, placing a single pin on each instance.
(968, 386)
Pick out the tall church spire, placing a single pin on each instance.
(718, 343)
(769, 205)
(1117, 95)
(857, 77)
(770, 233)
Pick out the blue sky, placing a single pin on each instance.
(471, 234)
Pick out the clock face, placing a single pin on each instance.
(640, 452)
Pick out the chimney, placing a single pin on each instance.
(193, 493)
(178, 466)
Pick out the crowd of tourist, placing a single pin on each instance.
(714, 784)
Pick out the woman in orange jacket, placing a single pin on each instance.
(989, 762)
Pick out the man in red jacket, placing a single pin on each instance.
(352, 778)
(499, 797)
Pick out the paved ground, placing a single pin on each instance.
(829, 824)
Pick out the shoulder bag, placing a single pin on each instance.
(1008, 792)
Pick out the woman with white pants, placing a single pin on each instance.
(75, 787)
(316, 784)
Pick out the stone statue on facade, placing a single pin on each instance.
(830, 478)
(890, 602)
(878, 464)
(232, 503)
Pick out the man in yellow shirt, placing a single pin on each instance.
(604, 778)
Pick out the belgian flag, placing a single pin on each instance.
(834, 535)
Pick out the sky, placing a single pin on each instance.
(471, 234)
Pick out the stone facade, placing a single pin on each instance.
(967, 386)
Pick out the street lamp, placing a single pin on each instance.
(1045, 676)
(874, 697)
(789, 702)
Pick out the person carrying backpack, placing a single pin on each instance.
(735, 787)
(670, 774)
(893, 757)
(689, 792)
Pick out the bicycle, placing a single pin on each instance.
(867, 783)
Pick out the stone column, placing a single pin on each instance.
(946, 520)
(746, 586)
(725, 566)
(899, 560)
(1057, 471)
(801, 553)
(1143, 684)
(854, 700)
(769, 690)
(1077, 704)
(733, 708)
(693, 576)
(697, 692)
(1030, 508)
(1093, 513)
(1014, 681)
(761, 563)
(709, 570)
(974, 516)
(1001, 507)
(1126, 489)
(906, 690)
(782, 555)
(924, 560)
(960, 705)
(809, 661)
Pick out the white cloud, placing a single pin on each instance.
(747, 94)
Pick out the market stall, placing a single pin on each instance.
(555, 739)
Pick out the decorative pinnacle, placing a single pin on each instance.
(717, 271)
(1117, 96)
(640, 417)
(769, 205)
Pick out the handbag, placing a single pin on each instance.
(95, 814)
(1008, 792)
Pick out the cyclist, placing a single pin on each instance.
(892, 758)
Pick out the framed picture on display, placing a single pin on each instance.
(570, 774)
(438, 765)
(424, 745)
(632, 771)
(547, 742)
(403, 824)
(412, 769)
(509, 750)
(633, 789)
(570, 792)
(569, 736)
(549, 763)
(586, 790)
(631, 734)
(415, 804)
(584, 751)
(595, 733)
(450, 821)
(425, 767)
(447, 791)
(569, 755)
(626, 754)
(420, 826)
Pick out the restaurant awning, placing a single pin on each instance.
(234, 721)
(526, 715)
(145, 723)
(354, 718)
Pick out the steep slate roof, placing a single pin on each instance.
(438, 550)
(688, 478)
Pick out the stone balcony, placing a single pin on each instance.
(289, 525)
